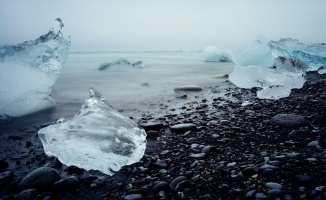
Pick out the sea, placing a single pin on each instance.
(134, 91)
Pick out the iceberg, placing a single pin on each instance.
(28, 72)
(214, 54)
(96, 138)
(257, 53)
(273, 83)
(314, 54)
(121, 63)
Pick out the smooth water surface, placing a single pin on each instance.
(124, 87)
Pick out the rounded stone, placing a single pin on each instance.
(183, 127)
(133, 197)
(41, 179)
(272, 185)
(289, 120)
(177, 182)
(29, 194)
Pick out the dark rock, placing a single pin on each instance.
(178, 182)
(29, 194)
(188, 88)
(152, 135)
(151, 126)
(41, 179)
(302, 179)
(133, 197)
(28, 143)
(191, 140)
(66, 184)
(6, 178)
(161, 186)
(75, 170)
(161, 164)
(269, 175)
(181, 128)
(208, 149)
(3, 165)
(249, 171)
(275, 193)
(182, 96)
(250, 194)
(289, 120)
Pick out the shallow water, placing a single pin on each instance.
(123, 87)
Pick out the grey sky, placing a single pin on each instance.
(127, 25)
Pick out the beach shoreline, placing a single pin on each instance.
(234, 152)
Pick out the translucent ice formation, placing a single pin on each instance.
(314, 55)
(97, 137)
(214, 54)
(28, 72)
(121, 63)
(273, 83)
(256, 53)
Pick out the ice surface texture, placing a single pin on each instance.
(214, 54)
(274, 83)
(256, 53)
(28, 72)
(97, 137)
(314, 54)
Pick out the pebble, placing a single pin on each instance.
(303, 179)
(188, 88)
(161, 164)
(41, 178)
(208, 149)
(183, 127)
(178, 182)
(198, 155)
(3, 165)
(289, 120)
(232, 165)
(272, 185)
(6, 178)
(29, 194)
(66, 184)
(151, 135)
(133, 197)
(161, 185)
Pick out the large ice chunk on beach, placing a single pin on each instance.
(314, 54)
(256, 53)
(214, 54)
(97, 137)
(273, 83)
(28, 72)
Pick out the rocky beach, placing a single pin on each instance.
(232, 147)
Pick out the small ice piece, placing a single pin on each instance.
(214, 54)
(313, 54)
(96, 138)
(274, 84)
(256, 53)
(60, 23)
(28, 73)
(121, 63)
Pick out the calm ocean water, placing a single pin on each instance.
(123, 88)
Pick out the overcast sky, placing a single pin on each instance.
(136, 25)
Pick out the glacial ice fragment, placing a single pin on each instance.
(28, 72)
(290, 64)
(214, 54)
(314, 54)
(256, 53)
(97, 137)
(121, 63)
(273, 83)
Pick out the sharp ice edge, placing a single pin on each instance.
(314, 54)
(28, 72)
(214, 54)
(96, 138)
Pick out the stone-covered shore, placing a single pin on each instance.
(223, 151)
